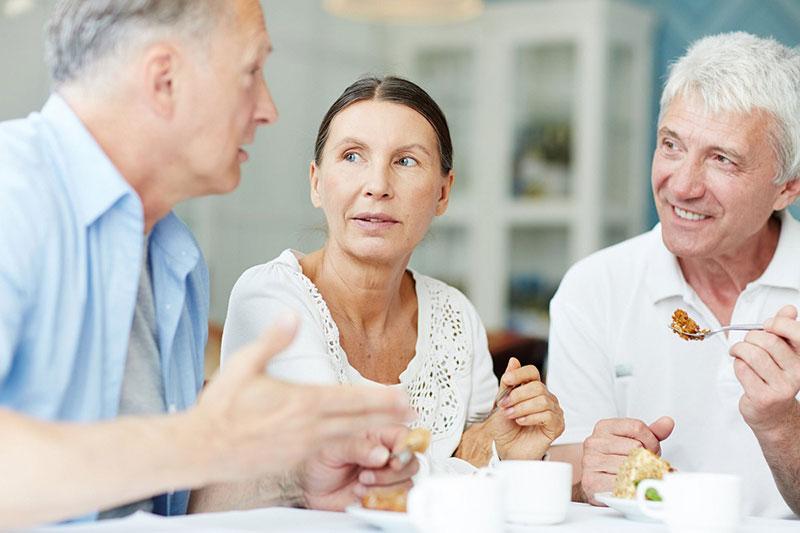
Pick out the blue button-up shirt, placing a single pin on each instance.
(71, 238)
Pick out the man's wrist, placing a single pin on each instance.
(290, 492)
(782, 431)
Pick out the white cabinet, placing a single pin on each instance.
(549, 105)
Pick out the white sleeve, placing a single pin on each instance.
(260, 296)
(579, 369)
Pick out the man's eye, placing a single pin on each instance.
(407, 162)
(351, 157)
(722, 159)
(669, 144)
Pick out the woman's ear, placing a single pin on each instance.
(313, 177)
(444, 193)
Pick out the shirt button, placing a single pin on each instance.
(168, 307)
(172, 408)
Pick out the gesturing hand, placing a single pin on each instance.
(346, 469)
(768, 367)
(253, 425)
(609, 444)
(529, 418)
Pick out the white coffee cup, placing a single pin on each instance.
(466, 503)
(695, 502)
(535, 492)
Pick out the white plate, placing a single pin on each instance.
(386, 520)
(627, 507)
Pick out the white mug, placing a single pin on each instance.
(535, 492)
(467, 504)
(695, 502)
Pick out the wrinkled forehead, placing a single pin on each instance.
(245, 23)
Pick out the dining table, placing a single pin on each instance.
(581, 518)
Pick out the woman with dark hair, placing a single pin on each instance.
(382, 171)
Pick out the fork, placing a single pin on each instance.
(480, 417)
(705, 334)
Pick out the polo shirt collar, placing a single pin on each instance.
(97, 184)
(665, 278)
(783, 270)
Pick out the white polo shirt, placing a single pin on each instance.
(612, 354)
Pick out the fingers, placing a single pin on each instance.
(607, 446)
(252, 360)
(551, 422)
(605, 464)
(764, 362)
(515, 376)
(533, 389)
(340, 400)
(629, 428)
(388, 476)
(662, 428)
(339, 426)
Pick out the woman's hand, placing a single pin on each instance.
(528, 419)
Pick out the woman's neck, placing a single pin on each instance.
(366, 294)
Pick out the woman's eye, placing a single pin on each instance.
(407, 162)
(351, 157)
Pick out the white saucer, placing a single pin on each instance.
(630, 508)
(386, 520)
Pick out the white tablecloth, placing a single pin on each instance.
(581, 519)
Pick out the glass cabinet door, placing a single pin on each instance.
(544, 91)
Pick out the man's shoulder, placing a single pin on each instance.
(26, 162)
(614, 266)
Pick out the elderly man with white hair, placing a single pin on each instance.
(104, 292)
(725, 168)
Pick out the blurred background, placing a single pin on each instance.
(552, 106)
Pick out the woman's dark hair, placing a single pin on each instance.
(398, 91)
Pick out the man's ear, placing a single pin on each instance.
(160, 72)
(789, 193)
(313, 178)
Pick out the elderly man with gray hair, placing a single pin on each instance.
(726, 167)
(104, 292)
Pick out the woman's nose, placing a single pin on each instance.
(378, 183)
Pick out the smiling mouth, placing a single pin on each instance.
(688, 215)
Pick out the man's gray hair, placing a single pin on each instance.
(739, 72)
(83, 35)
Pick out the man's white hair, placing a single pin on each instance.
(739, 72)
(87, 39)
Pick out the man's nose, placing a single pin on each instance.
(688, 180)
(266, 111)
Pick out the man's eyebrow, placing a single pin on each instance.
(665, 131)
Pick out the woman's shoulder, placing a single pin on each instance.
(282, 273)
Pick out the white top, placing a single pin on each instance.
(612, 354)
(449, 378)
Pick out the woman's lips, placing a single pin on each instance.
(374, 222)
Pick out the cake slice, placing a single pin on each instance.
(640, 464)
